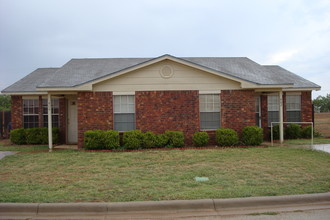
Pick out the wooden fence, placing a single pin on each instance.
(322, 123)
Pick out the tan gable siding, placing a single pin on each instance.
(150, 79)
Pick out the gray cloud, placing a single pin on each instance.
(294, 34)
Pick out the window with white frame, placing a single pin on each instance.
(31, 113)
(273, 109)
(124, 112)
(209, 107)
(293, 108)
(55, 112)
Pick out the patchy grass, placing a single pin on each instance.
(318, 140)
(78, 176)
(24, 148)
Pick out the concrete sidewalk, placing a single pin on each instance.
(163, 209)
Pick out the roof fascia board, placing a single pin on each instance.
(302, 89)
(24, 93)
(84, 87)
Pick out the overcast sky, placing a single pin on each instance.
(294, 34)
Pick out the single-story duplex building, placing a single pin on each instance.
(188, 94)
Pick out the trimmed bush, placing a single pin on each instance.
(17, 136)
(293, 131)
(307, 131)
(226, 137)
(200, 139)
(111, 139)
(252, 136)
(100, 139)
(175, 139)
(33, 136)
(133, 139)
(149, 140)
(161, 140)
(94, 139)
(276, 132)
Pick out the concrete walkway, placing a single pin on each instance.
(177, 209)
(6, 153)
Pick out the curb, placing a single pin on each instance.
(150, 206)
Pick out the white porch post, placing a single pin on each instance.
(281, 116)
(50, 133)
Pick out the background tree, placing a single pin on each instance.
(322, 103)
(4, 102)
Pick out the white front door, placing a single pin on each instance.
(72, 121)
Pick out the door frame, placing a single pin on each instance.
(69, 100)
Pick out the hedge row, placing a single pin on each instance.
(33, 136)
(136, 139)
(295, 131)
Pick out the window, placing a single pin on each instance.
(209, 107)
(55, 112)
(31, 113)
(124, 112)
(293, 108)
(273, 109)
(258, 116)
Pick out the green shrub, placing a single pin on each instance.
(307, 131)
(149, 140)
(293, 131)
(111, 139)
(175, 139)
(200, 139)
(56, 135)
(17, 136)
(33, 136)
(94, 139)
(252, 136)
(161, 140)
(276, 132)
(226, 137)
(133, 139)
(36, 135)
(101, 139)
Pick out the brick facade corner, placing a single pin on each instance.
(17, 111)
(95, 111)
(306, 106)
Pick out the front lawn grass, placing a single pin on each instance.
(318, 140)
(78, 176)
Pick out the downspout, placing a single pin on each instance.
(50, 133)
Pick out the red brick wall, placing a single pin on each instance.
(306, 107)
(17, 112)
(158, 111)
(95, 111)
(237, 109)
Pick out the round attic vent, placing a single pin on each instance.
(166, 71)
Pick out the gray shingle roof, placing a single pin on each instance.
(282, 75)
(80, 71)
(30, 82)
